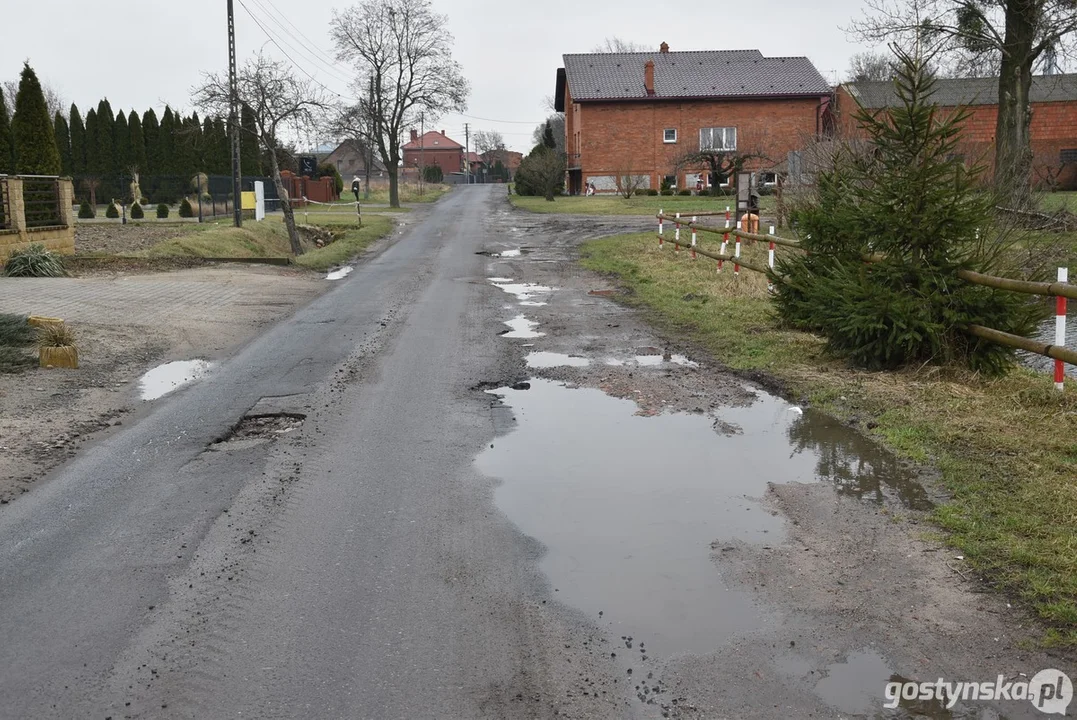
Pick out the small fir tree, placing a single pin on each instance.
(910, 204)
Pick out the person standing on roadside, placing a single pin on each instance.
(355, 187)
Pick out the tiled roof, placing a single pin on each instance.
(433, 140)
(950, 92)
(708, 73)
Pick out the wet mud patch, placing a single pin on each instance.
(629, 505)
(259, 427)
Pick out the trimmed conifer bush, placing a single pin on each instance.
(112, 211)
(136, 212)
(162, 211)
(185, 209)
(86, 211)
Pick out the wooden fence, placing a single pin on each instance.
(1060, 290)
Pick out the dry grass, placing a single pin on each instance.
(52, 335)
(1005, 449)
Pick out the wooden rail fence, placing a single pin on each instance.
(1061, 290)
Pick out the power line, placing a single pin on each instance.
(511, 122)
(314, 45)
(299, 67)
(332, 69)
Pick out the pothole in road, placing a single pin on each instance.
(553, 360)
(254, 430)
(628, 506)
(521, 327)
(527, 293)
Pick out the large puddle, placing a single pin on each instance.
(628, 506)
(163, 379)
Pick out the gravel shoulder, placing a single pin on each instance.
(126, 324)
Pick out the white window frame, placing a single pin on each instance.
(726, 137)
(665, 136)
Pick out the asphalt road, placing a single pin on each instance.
(354, 567)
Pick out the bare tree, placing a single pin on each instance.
(617, 45)
(1013, 33)
(490, 144)
(869, 66)
(278, 100)
(630, 183)
(407, 49)
(357, 126)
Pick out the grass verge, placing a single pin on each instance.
(1005, 449)
(355, 240)
(640, 205)
(220, 239)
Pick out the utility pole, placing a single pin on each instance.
(370, 135)
(467, 153)
(233, 85)
(422, 151)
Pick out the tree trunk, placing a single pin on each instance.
(1013, 148)
(285, 206)
(394, 187)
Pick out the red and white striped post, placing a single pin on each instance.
(693, 237)
(677, 233)
(725, 238)
(770, 259)
(736, 254)
(661, 239)
(1060, 330)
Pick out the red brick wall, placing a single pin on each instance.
(627, 137)
(1053, 129)
(449, 161)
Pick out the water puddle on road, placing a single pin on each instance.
(163, 379)
(552, 360)
(339, 274)
(656, 360)
(527, 293)
(521, 327)
(628, 506)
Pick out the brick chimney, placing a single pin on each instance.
(648, 76)
(414, 134)
(664, 47)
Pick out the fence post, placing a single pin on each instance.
(736, 253)
(1060, 330)
(661, 240)
(770, 259)
(694, 237)
(677, 233)
(725, 238)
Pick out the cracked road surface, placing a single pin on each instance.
(464, 483)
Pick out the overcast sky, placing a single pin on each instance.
(150, 53)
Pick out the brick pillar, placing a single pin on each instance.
(66, 190)
(17, 206)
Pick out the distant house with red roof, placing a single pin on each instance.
(433, 148)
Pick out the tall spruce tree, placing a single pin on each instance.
(106, 156)
(78, 141)
(31, 128)
(121, 142)
(249, 151)
(63, 143)
(166, 143)
(93, 149)
(222, 148)
(7, 143)
(151, 134)
(136, 142)
(547, 137)
(910, 203)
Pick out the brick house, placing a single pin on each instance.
(434, 148)
(350, 162)
(640, 113)
(1053, 129)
